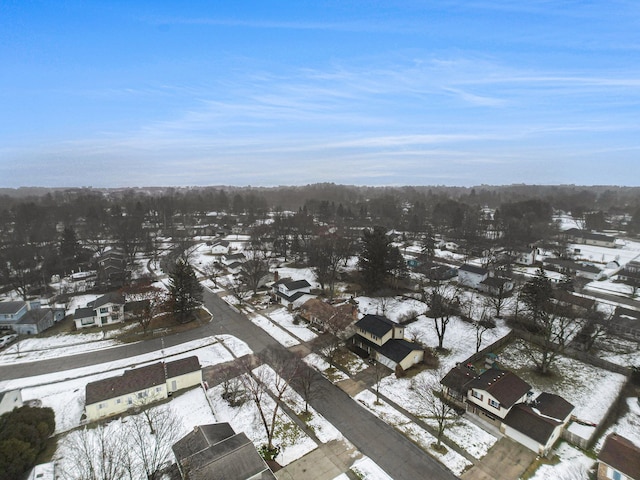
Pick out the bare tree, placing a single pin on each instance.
(239, 291)
(211, 270)
(153, 300)
(327, 345)
(232, 385)
(481, 325)
(255, 268)
(427, 393)
(95, 454)
(383, 301)
(150, 437)
(444, 303)
(306, 384)
(261, 383)
(499, 300)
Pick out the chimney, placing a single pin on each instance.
(276, 276)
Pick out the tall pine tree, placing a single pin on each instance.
(185, 292)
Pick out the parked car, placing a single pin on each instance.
(7, 339)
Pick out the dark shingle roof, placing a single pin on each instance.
(506, 387)
(296, 284)
(397, 349)
(111, 297)
(621, 454)
(85, 312)
(10, 308)
(458, 377)
(375, 324)
(522, 418)
(138, 379)
(182, 366)
(216, 452)
(35, 316)
(495, 282)
(473, 269)
(552, 405)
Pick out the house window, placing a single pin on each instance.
(130, 400)
(87, 321)
(142, 394)
(115, 308)
(476, 395)
(494, 404)
(101, 406)
(118, 401)
(104, 309)
(158, 389)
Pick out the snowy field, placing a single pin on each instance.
(299, 274)
(393, 308)
(321, 365)
(276, 332)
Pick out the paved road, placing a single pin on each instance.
(393, 452)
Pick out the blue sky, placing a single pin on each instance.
(269, 93)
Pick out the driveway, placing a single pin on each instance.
(392, 451)
(506, 460)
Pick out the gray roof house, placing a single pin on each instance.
(216, 452)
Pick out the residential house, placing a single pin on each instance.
(28, 318)
(496, 285)
(140, 386)
(105, 310)
(570, 268)
(526, 257)
(472, 275)
(619, 459)
(625, 323)
(291, 293)
(384, 341)
(9, 400)
(232, 258)
(504, 400)
(327, 317)
(538, 425)
(217, 452)
(583, 237)
(630, 273)
(575, 302)
(492, 394)
(112, 270)
(43, 471)
(220, 248)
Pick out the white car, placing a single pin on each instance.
(7, 339)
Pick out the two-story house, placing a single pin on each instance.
(384, 341)
(291, 293)
(104, 310)
(492, 393)
(28, 318)
(140, 386)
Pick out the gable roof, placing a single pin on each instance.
(296, 284)
(216, 452)
(35, 316)
(377, 325)
(111, 297)
(397, 349)
(504, 386)
(525, 420)
(11, 308)
(495, 282)
(84, 312)
(621, 454)
(138, 379)
(552, 405)
(458, 377)
(473, 269)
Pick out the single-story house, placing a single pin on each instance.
(472, 275)
(630, 273)
(384, 341)
(575, 235)
(619, 459)
(496, 285)
(9, 400)
(220, 248)
(28, 318)
(104, 310)
(569, 267)
(575, 302)
(140, 386)
(327, 317)
(217, 452)
(538, 425)
(626, 323)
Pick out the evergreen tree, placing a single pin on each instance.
(377, 259)
(185, 292)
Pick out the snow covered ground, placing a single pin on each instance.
(574, 464)
(627, 426)
(284, 318)
(64, 391)
(278, 334)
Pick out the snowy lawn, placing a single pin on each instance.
(273, 330)
(366, 469)
(464, 433)
(321, 365)
(619, 351)
(627, 426)
(299, 274)
(188, 409)
(574, 464)
(245, 418)
(394, 308)
(573, 380)
(285, 319)
(451, 459)
(64, 391)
